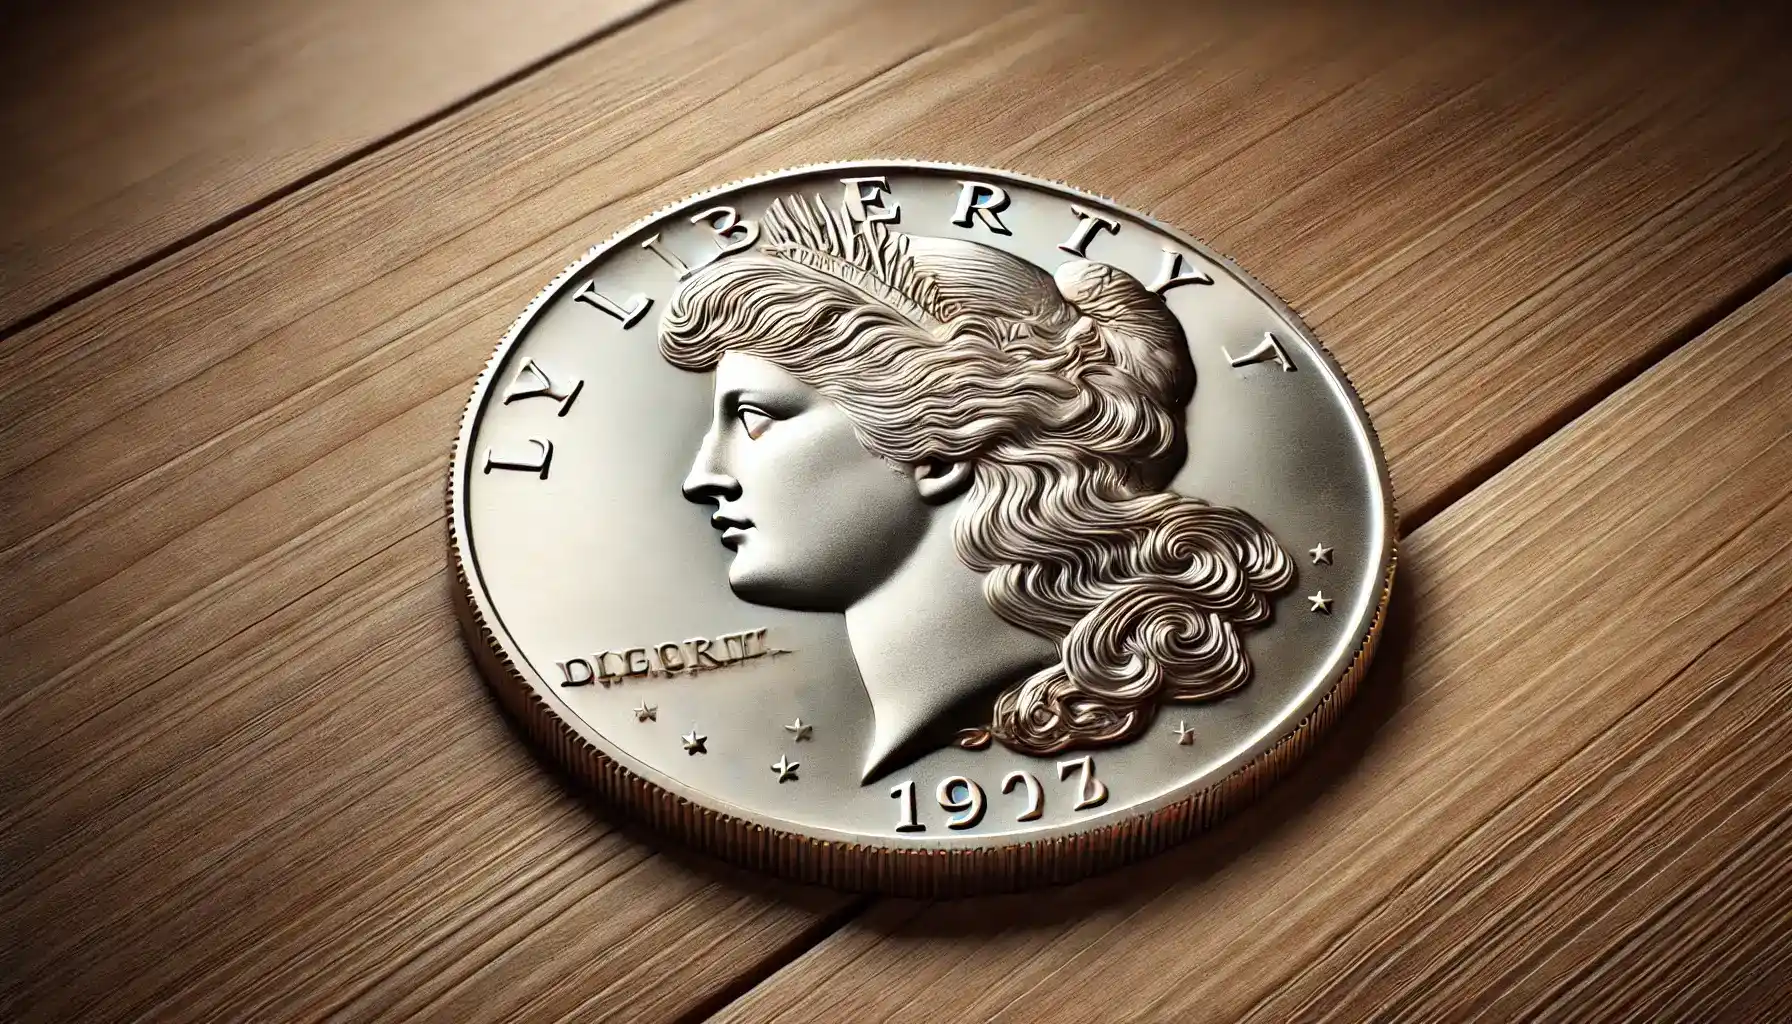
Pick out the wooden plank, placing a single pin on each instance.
(131, 126)
(1563, 130)
(222, 476)
(1567, 796)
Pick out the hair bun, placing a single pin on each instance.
(1097, 289)
(1136, 324)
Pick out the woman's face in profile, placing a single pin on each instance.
(814, 520)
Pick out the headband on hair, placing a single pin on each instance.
(864, 256)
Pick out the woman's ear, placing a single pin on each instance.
(938, 482)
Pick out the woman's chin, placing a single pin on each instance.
(760, 584)
(753, 584)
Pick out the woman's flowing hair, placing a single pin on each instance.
(1066, 393)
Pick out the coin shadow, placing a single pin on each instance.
(1280, 814)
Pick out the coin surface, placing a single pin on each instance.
(918, 528)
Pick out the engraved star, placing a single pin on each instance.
(694, 742)
(1184, 735)
(800, 729)
(786, 769)
(1320, 603)
(647, 713)
(1322, 555)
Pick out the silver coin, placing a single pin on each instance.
(917, 527)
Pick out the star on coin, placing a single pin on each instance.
(1184, 735)
(800, 729)
(1320, 603)
(694, 742)
(647, 713)
(1322, 555)
(786, 768)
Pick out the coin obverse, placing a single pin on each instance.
(918, 528)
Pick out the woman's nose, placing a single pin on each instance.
(708, 482)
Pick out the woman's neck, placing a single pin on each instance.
(926, 641)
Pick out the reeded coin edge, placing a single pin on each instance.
(950, 871)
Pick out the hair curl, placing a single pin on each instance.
(1066, 393)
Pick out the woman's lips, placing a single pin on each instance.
(733, 530)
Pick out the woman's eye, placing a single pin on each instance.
(754, 422)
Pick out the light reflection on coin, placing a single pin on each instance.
(1046, 532)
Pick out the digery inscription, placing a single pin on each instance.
(673, 658)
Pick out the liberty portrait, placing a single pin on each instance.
(968, 457)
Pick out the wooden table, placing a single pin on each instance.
(253, 254)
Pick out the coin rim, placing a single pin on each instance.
(915, 867)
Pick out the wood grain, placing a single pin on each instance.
(246, 771)
(1567, 795)
(130, 126)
